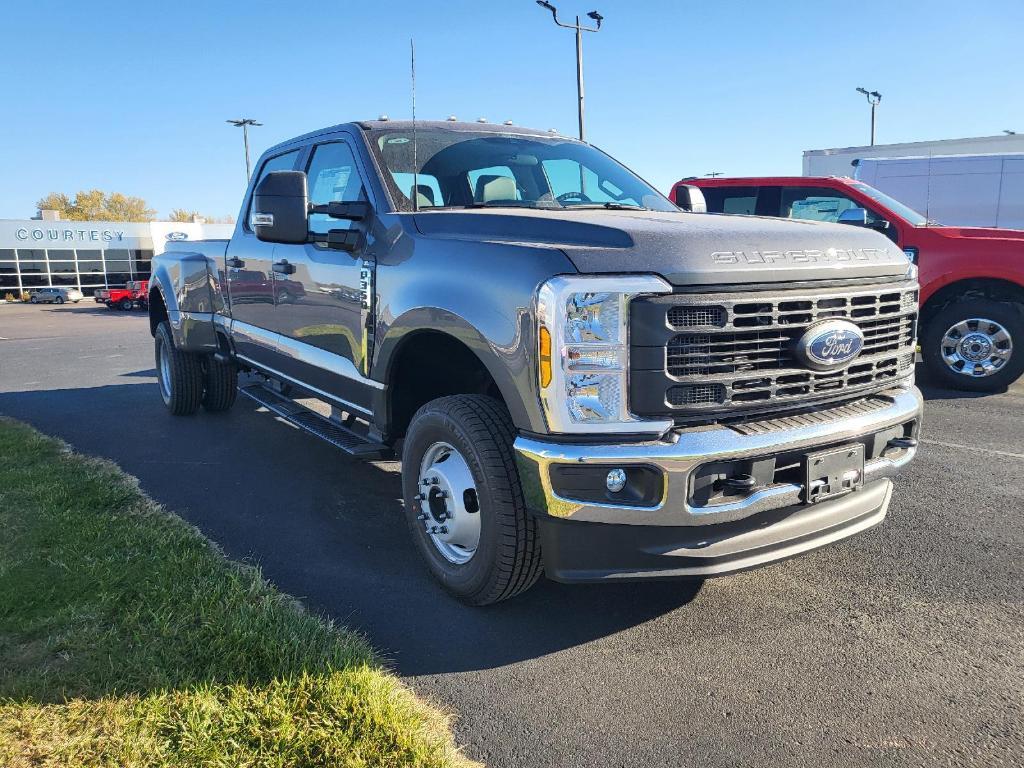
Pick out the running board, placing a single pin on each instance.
(338, 435)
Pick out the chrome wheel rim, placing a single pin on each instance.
(447, 503)
(165, 372)
(977, 347)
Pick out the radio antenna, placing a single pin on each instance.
(415, 159)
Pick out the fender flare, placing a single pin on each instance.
(508, 365)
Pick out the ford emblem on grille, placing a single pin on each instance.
(829, 345)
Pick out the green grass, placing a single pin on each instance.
(127, 639)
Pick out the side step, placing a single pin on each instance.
(348, 440)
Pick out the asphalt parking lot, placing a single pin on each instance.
(901, 646)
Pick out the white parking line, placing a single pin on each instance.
(974, 448)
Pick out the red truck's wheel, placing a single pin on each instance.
(975, 345)
(463, 500)
(179, 374)
(125, 305)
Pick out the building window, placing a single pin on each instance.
(90, 261)
(141, 263)
(31, 261)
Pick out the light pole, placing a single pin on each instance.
(873, 98)
(580, 29)
(244, 124)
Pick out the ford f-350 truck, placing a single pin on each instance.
(579, 377)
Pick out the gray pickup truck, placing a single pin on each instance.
(579, 377)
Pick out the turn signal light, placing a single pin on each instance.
(544, 343)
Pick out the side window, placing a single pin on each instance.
(333, 177)
(495, 183)
(814, 203)
(731, 199)
(285, 162)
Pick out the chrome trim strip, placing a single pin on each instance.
(319, 392)
(684, 450)
(304, 353)
(321, 358)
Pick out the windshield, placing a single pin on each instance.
(470, 169)
(911, 216)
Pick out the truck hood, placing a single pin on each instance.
(684, 248)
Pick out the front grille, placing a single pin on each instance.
(731, 352)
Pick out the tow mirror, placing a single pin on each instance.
(857, 217)
(690, 198)
(281, 208)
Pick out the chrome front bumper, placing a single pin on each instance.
(672, 538)
(685, 450)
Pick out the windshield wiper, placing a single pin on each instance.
(485, 205)
(609, 206)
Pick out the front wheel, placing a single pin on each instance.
(179, 374)
(58, 300)
(125, 305)
(975, 345)
(463, 501)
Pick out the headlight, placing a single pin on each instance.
(583, 353)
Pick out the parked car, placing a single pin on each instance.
(972, 278)
(578, 376)
(56, 296)
(135, 295)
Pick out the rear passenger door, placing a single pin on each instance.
(251, 279)
(322, 307)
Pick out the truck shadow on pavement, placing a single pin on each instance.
(92, 309)
(329, 530)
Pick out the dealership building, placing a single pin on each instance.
(37, 253)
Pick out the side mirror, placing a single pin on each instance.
(857, 217)
(281, 208)
(690, 198)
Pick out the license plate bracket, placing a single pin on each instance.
(832, 473)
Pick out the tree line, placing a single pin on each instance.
(97, 205)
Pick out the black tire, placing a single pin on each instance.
(507, 560)
(125, 305)
(1010, 316)
(182, 387)
(59, 300)
(221, 385)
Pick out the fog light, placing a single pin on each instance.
(616, 480)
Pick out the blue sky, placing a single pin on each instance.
(133, 96)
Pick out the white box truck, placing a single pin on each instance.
(956, 190)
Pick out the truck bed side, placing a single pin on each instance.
(187, 290)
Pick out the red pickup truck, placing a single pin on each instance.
(972, 278)
(135, 295)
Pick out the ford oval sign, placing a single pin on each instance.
(830, 345)
(177, 235)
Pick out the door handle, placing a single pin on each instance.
(282, 267)
(235, 263)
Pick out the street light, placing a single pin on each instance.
(244, 124)
(873, 98)
(580, 29)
